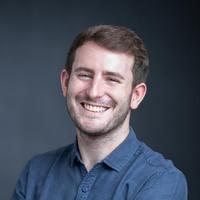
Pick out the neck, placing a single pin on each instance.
(94, 149)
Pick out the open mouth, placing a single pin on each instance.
(94, 108)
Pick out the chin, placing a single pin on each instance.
(93, 132)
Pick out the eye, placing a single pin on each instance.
(84, 76)
(113, 80)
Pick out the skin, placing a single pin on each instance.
(99, 96)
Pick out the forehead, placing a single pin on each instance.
(95, 57)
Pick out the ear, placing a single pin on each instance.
(138, 94)
(64, 79)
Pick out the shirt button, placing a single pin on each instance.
(92, 176)
(84, 189)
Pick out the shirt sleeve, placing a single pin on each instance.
(165, 186)
(21, 185)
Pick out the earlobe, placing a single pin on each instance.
(138, 95)
(64, 78)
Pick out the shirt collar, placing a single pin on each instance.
(123, 153)
(119, 157)
(75, 154)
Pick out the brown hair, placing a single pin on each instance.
(117, 39)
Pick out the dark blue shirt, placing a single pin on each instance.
(131, 171)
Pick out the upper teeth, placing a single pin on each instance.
(94, 108)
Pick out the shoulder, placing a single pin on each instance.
(156, 161)
(52, 155)
(41, 164)
(38, 169)
(162, 178)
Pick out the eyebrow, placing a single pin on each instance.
(83, 69)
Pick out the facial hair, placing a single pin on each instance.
(110, 126)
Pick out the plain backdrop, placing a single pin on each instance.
(34, 39)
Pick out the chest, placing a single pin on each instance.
(101, 183)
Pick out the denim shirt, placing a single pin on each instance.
(132, 171)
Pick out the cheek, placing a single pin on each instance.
(123, 95)
(123, 91)
(76, 87)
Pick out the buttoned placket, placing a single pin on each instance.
(87, 182)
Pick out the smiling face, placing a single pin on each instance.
(99, 90)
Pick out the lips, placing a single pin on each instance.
(94, 108)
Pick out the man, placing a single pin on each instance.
(104, 79)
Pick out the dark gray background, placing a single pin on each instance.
(34, 39)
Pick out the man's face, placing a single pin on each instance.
(99, 89)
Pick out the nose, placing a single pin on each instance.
(96, 88)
